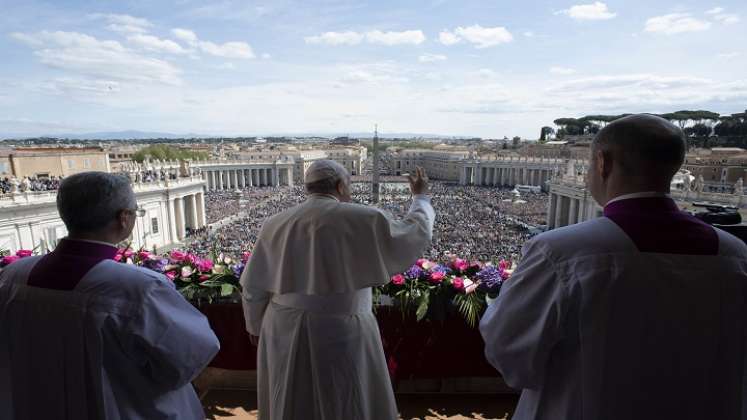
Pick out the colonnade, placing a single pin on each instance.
(564, 210)
(506, 175)
(186, 212)
(239, 178)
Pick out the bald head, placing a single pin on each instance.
(643, 145)
(638, 153)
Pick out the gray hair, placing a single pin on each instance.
(89, 201)
(643, 145)
(323, 176)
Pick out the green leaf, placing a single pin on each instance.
(226, 290)
(422, 306)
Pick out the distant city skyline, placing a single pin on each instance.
(455, 68)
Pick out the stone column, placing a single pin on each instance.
(561, 216)
(194, 219)
(180, 222)
(220, 180)
(263, 177)
(582, 211)
(503, 176)
(242, 180)
(551, 209)
(573, 212)
(201, 215)
(173, 235)
(255, 177)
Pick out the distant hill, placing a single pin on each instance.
(143, 135)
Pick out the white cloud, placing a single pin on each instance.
(226, 66)
(675, 23)
(227, 50)
(639, 92)
(715, 11)
(593, 11)
(562, 70)
(266, 56)
(124, 23)
(335, 38)
(232, 49)
(727, 18)
(372, 73)
(729, 55)
(479, 36)
(412, 37)
(184, 34)
(448, 38)
(430, 58)
(86, 55)
(152, 43)
(486, 74)
(529, 34)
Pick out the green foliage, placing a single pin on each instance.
(471, 306)
(166, 152)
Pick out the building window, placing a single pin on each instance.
(154, 225)
(3, 167)
(87, 163)
(70, 164)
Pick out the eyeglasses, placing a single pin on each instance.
(139, 212)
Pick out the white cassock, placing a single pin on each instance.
(591, 328)
(307, 294)
(123, 344)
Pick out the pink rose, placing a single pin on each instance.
(437, 277)
(504, 265)
(171, 275)
(177, 255)
(204, 277)
(143, 255)
(460, 264)
(191, 259)
(458, 283)
(9, 260)
(128, 253)
(23, 253)
(398, 279)
(420, 262)
(245, 257)
(118, 258)
(204, 265)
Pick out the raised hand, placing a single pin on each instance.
(418, 182)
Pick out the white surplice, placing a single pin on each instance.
(123, 344)
(589, 328)
(307, 294)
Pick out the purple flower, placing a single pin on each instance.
(238, 269)
(490, 279)
(156, 264)
(414, 272)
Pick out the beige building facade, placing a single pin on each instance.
(45, 162)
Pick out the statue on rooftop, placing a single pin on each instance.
(739, 187)
(699, 183)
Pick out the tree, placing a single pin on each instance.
(165, 152)
(545, 134)
(516, 141)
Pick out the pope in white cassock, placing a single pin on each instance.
(307, 295)
(637, 315)
(83, 337)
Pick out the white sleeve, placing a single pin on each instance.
(171, 339)
(521, 328)
(254, 303)
(403, 241)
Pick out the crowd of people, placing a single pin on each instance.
(26, 184)
(476, 223)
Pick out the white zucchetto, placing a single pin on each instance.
(325, 169)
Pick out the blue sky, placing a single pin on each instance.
(483, 68)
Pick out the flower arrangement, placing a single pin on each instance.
(428, 285)
(7, 257)
(196, 278)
